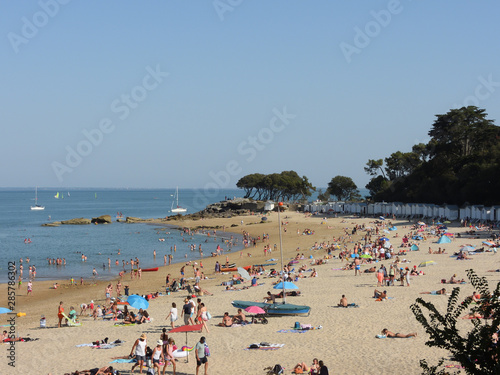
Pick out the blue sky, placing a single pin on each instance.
(198, 94)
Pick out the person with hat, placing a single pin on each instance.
(157, 355)
(140, 352)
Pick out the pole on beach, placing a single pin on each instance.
(280, 204)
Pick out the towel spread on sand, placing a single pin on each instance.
(267, 347)
(293, 330)
(124, 360)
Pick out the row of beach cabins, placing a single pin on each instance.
(474, 213)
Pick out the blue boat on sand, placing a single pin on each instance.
(275, 308)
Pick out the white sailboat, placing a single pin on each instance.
(178, 209)
(37, 207)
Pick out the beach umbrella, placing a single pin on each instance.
(386, 231)
(467, 248)
(414, 247)
(421, 223)
(489, 243)
(243, 272)
(287, 285)
(427, 263)
(449, 234)
(188, 328)
(443, 239)
(439, 223)
(255, 310)
(381, 218)
(137, 302)
(384, 239)
(447, 222)
(418, 238)
(367, 256)
(4, 310)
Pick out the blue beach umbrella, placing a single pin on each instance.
(384, 239)
(288, 285)
(137, 302)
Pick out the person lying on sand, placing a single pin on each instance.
(302, 368)
(441, 291)
(370, 270)
(95, 371)
(390, 334)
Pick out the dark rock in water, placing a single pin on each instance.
(78, 221)
(53, 224)
(104, 219)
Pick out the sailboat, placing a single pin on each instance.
(178, 209)
(276, 308)
(37, 207)
(57, 195)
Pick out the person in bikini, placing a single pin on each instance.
(390, 334)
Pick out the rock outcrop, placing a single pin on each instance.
(77, 221)
(104, 219)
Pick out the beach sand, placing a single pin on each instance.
(346, 342)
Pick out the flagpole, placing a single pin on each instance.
(280, 204)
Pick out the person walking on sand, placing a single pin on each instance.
(201, 357)
(357, 266)
(30, 288)
(140, 352)
(60, 312)
(169, 355)
(173, 314)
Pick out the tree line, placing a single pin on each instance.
(284, 186)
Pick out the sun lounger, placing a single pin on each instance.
(71, 322)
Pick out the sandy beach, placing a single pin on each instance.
(346, 342)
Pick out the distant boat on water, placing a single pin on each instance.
(57, 195)
(178, 209)
(37, 207)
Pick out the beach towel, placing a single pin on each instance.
(124, 360)
(124, 324)
(351, 305)
(293, 330)
(267, 347)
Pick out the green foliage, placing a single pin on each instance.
(287, 185)
(459, 164)
(474, 350)
(343, 188)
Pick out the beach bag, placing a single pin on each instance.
(297, 325)
(207, 351)
(209, 316)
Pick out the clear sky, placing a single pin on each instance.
(154, 94)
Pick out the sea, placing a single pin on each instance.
(23, 236)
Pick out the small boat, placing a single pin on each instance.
(37, 207)
(150, 269)
(57, 195)
(233, 268)
(274, 308)
(178, 209)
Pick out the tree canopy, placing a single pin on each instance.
(287, 186)
(459, 164)
(343, 188)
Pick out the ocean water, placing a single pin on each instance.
(97, 242)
